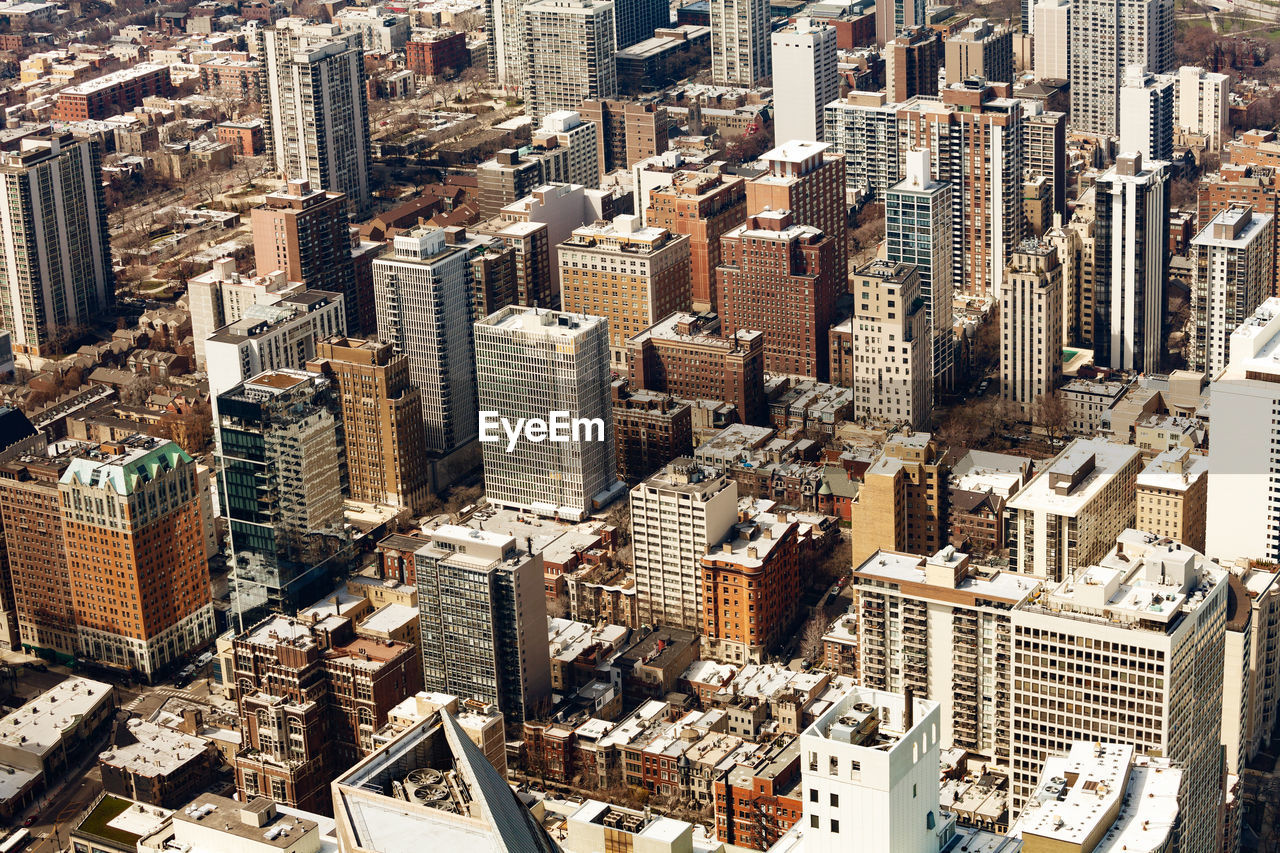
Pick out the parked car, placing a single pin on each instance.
(204, 659)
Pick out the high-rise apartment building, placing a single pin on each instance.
(1244, 508)
(1234, 269)
(1173, 496)
(1143, 626)
(1070, 249)
(629, 130)
(637, 19)
(506, 56)
(887, 341)
(974, 137)
(687, 355)
(1044, 150)
(220, 295)
(1131, 256)
(1106, 37)
(135, 554)
(1146, 113)
(649, 431)
(313, 89)
(805, 178)
(1200, 104)
(702, 206)
(1250, 688)
(750, 588)
(918, 232)
(677, 516)
(1069, 514)
(804, 67)
(56, 274)
(423, 289)
(1031, 327)
(1051, 58)
(983, 50)
(531, 280)
(779, 278)
(532, 363)
(483, 616)
(381, 421)
(569, 53)
(911, 62)
(739, 42)
(631, 275)
(580, 140)
(281, 484)
(1251, 185)
(902, 505)
(863, 127)
(894, 16)
(939, 626)
(306, 234)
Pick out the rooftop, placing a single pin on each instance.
(1075, 477)
(542, 322)
(158, 751)
(258, 821)
(39, 725)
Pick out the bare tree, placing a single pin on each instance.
(1052, 414)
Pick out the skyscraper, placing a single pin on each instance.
(1107, 36)
(282, 457)
(637, 19)
(220, 296)
(135, 554)
(56, 274)
(569, 54)
(1031, 327)
(1132, 260)
(805, 178)
(483, 617)
(533, 363)
(981, 50)
(313, 90)
(1200, 105)
(739, 42)
(863, 127)
(918, 232)
(1146, 114)
(677, 516)
(894, 16)
(911, 62)
(381, 420)
(1051, 59)
(422, 291)
(1232, 278)
(506, 56)
(804, 67)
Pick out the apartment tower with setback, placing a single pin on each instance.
(1031, 327)
(135, 554)
(918, 216)
(739, 42)
(677, 516)
(1131, 257)
(483, 616)
(312, 88)
(569, 54)
(806, 178)
(56, 273)
(804, 68)
(1106, 37)
(911, 62)
(1233, 274)
(702, 206)
(531, 363)
(422, 290)
(983, 50)
(1146, 113)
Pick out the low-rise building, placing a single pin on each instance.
(157, 765)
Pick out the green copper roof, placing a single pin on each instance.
(124, 473)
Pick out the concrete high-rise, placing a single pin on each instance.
(637, 19)
(677, 516)
(1146, 114)
(703, 206)
(533, 363)
(283, 475)
(1031, 327)
(779, 278)
(1244, 508)
(1233, 275)
(1132, 261)
(581, 143)
(135, 554)
(894, 16)
(423, 296)
(739, 42)
(1235, 185)
(629, 130)
(507, 53)
(804, 67)
(631, 275)
(1200, 105)
(889, 333)
(863, 128)
(983, 50)
(911, 62)
(1105, 38)
(306, 234)
(918, 213)
(483, 617)
(220, 296)
(56, 272)
(1044, 150)
(569, 54)
(312, 88)
(381, 421)
(805, 178)
(1052, 49)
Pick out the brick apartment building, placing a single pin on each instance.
(650, 430)
(628, 131)
(435, 52)
(704, 206)
(245, 137)
(112, 94)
